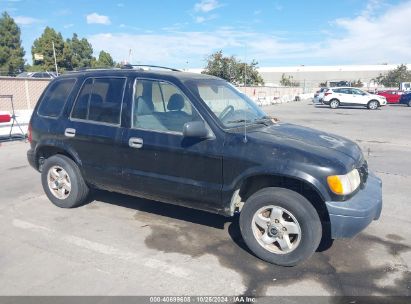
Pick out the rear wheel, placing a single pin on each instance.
(373, 105)
(63, 183)
(280, 226)
(334, 104)
(409, 103)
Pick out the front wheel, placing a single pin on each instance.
(373, 105)
(280, 226)
(409, 103)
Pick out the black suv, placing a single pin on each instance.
(196, 141)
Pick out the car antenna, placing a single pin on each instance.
(245, 140)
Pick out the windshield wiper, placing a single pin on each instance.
(239, 121)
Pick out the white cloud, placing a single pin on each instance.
(66, 26)
(95, 18)
(202, 19)
(373, 39)
(206, 6)
(25, 20)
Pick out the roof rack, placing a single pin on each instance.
(131, 66)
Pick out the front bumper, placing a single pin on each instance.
(350, 217)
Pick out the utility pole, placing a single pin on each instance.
(55, 60)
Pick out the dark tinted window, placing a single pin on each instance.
(342, 91)
(56, 97)
(100, 100)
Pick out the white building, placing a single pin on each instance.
(312, 76)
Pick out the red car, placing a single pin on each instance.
(393, 96)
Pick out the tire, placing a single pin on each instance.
(294, 212)
(334, 103)
(63, 183)
(409, 103)
(373, 105)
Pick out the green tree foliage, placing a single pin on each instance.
(78, 53)
(287, 81)
(357, 84)
(11, 51)
(233, 70)
(44, 46)
(104, 60)
(394, 77)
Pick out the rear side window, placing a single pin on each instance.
(100, 100)
(55, 97)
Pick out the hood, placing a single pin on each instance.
(313, 138)
(377, 96)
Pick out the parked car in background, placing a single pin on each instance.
(348, 96)
(392, 96)
(406, 98)
(319, 95)
(48, 75)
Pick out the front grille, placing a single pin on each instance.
(363, 170)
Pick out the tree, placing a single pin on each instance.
(104, 61)
(287, 81)
(394, 77)
(78, 53)
(232, 70)
(44, 46)
(11, 51)
(357, 84)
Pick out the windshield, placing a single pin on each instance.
(231, 107)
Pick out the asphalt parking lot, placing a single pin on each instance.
(119, 245)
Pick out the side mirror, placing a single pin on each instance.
(195, 129)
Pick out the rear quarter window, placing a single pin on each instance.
(55, 97)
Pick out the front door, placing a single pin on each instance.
(160, 163)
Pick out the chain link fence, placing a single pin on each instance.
(25, 92)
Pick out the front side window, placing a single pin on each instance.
(161, 106)
(230, 106)
(55, 97)
(357, 92)
(100, 100)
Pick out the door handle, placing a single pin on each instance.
(135, 142)
(69, 132)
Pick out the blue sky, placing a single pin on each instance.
(181, 33)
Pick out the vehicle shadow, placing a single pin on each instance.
(158, 208)
(343, 269)
(342, 107)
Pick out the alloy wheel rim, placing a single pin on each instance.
(59, 182)
(276, 229)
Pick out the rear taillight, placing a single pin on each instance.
(29, 135)
(326, 94)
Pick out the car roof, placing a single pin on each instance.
(333, 88)
(182, 76)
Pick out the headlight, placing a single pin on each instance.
(344, 184)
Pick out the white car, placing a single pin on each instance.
(347, 96)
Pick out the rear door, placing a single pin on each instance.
(160, 163)
(94, 129)
(343, 95)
